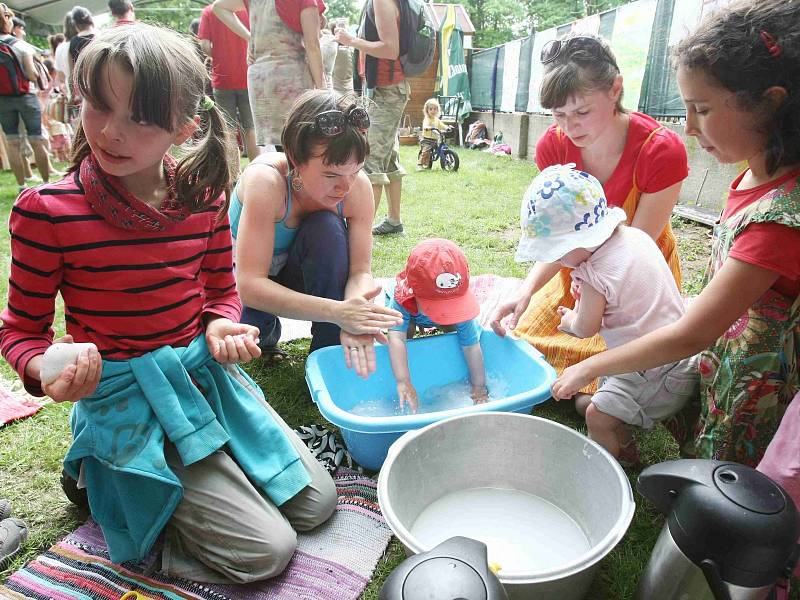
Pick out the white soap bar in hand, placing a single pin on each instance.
(58, 356)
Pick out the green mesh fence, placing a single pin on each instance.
(642, 35)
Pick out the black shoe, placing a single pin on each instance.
(74, 494)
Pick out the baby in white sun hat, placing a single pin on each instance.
(624, 289)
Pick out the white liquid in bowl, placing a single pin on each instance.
(523, 533)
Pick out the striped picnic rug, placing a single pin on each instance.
(333, 562)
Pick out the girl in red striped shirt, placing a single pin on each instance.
(169, 435)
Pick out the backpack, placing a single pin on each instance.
(13, 81)
(417, 39)
(43, 79)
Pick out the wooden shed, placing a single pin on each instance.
(422, 87)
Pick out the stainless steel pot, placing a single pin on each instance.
(514, 452)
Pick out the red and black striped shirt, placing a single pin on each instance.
(128, 291)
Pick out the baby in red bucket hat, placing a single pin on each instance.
(433, 291)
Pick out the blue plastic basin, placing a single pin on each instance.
(433, 361)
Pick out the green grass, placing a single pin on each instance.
(477, 207)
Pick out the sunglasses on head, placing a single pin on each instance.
(333, 122)
(555, 48)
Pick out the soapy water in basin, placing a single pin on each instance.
(522, 532)
(435, 399)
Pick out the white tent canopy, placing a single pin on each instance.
(52, 12)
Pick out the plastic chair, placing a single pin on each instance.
(451, 107)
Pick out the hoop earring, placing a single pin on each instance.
(297, 182)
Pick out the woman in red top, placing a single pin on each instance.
(640, 164)
(286, 60)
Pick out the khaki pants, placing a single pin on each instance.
(383, 163)
(225, 531)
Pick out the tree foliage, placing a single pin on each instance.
(346, 9)
(175, 14)
(499, 21)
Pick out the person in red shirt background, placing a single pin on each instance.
(228, 54)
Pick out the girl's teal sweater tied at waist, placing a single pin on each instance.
(197, 404)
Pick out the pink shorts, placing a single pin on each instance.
(59, 142)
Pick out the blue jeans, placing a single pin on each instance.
(318, 265)
(25, 107)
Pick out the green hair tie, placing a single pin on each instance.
(206, 103)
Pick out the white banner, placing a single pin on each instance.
(510, 76)
(539, 40)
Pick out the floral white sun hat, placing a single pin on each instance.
(564, 209)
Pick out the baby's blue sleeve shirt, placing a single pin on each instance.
(469, 332)
(392, 303)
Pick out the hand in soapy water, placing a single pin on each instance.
(71, 371)
(408, 396)
(479, 394)
(230, 342)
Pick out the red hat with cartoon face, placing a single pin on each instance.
(436, 280)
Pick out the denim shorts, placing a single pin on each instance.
(26, 107)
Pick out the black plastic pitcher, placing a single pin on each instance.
(456, 569)
(731, 532)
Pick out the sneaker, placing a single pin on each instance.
(34, 179)
(387, 228)
(5, 509)
(13, 534)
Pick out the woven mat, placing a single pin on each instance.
(489, 289)
(333, 562)
(16, 405)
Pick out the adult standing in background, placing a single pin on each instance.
(61, 54)
(343, 65)
(122, 11)
(18, 30)
(640, 163)
(385, 82)
(228, 54)
(25, 107)
(283, 45)
(55, 40)
(328, 45)
(84, 24)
